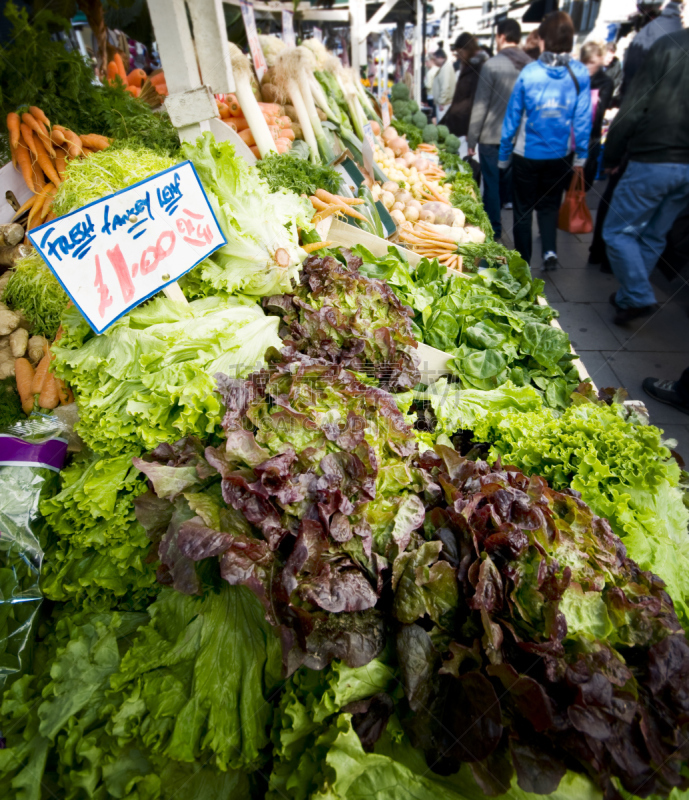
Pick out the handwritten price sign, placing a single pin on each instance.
(117, 252)
(252, 36)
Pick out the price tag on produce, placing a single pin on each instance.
(385, 109)
(118, 251)
(369, 148)
(288, 36)
(259, 59)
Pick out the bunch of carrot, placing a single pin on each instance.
(40, 382)
(40, 151)
(136, 81)
(327, 204)
(279, 124)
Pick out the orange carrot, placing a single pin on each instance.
(50, 216)
(247, 137)
(41, 372)
(136, 77)
(72, 141)
(38, 128)
(27, 136)
(24, 207)
(223, 110)
(94, 141)
(270, 119)
(24, 373)
(287, 133)
(241, 123)
(66, 395)
(121, 71)
(255, 151)
(161, 88)
(270, 108)
(45, 163)
(48, 203)
(24, 163)
(57, 136)
(284, 122)
(231, 124)
(38, 176)
(233, 105)
(50, 394)
(283, 145)
(111, 72)
(39, 115)
(37, 207)
(158, 78)
(13, 123)
(274, 131)
(85, 151)
(133, 90)
(60, 162)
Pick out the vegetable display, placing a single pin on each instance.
(283, 559)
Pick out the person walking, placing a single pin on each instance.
(496, 81)
(471, 58)
(669, 21)
(652, 128)
(602, 87)
(613, 69)
(550, 108)
(443, 86)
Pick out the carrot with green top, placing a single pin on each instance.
(13, 123)
(46, 164)
(50, 394)
(24, 164)
(39, 130)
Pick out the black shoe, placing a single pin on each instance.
(664, 392)
(550, 264)
(613, 301)
(594, 261)
(625, 315)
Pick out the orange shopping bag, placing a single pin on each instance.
(575, 216)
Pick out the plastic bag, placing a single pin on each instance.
(32, 454)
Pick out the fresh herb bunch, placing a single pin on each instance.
(297, 174)
(467, 196)
(37, 69)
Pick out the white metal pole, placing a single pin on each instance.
(418, 55)
(210, 37)
(189, 103)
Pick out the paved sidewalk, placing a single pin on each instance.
(618, 356)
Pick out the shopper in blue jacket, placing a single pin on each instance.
(548, 117)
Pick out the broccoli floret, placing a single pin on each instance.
(400, 91)
(400, 108)
(408, 119)
(413, 106)
(430, 133)
(451, 143)
(443, 132)
(419, 119)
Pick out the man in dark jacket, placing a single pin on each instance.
(496, 81)
(472, 58)
(669, 21)
(652, 127)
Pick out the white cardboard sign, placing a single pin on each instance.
(116, 252)
(249, 17)
(288, 35)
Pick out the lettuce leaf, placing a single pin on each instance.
(123, 705)
(262, 254)
(149, 378)
(97, 551)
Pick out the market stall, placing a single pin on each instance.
(303, 491)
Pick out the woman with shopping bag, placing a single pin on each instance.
(548, 116)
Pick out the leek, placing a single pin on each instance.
(250, 108)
